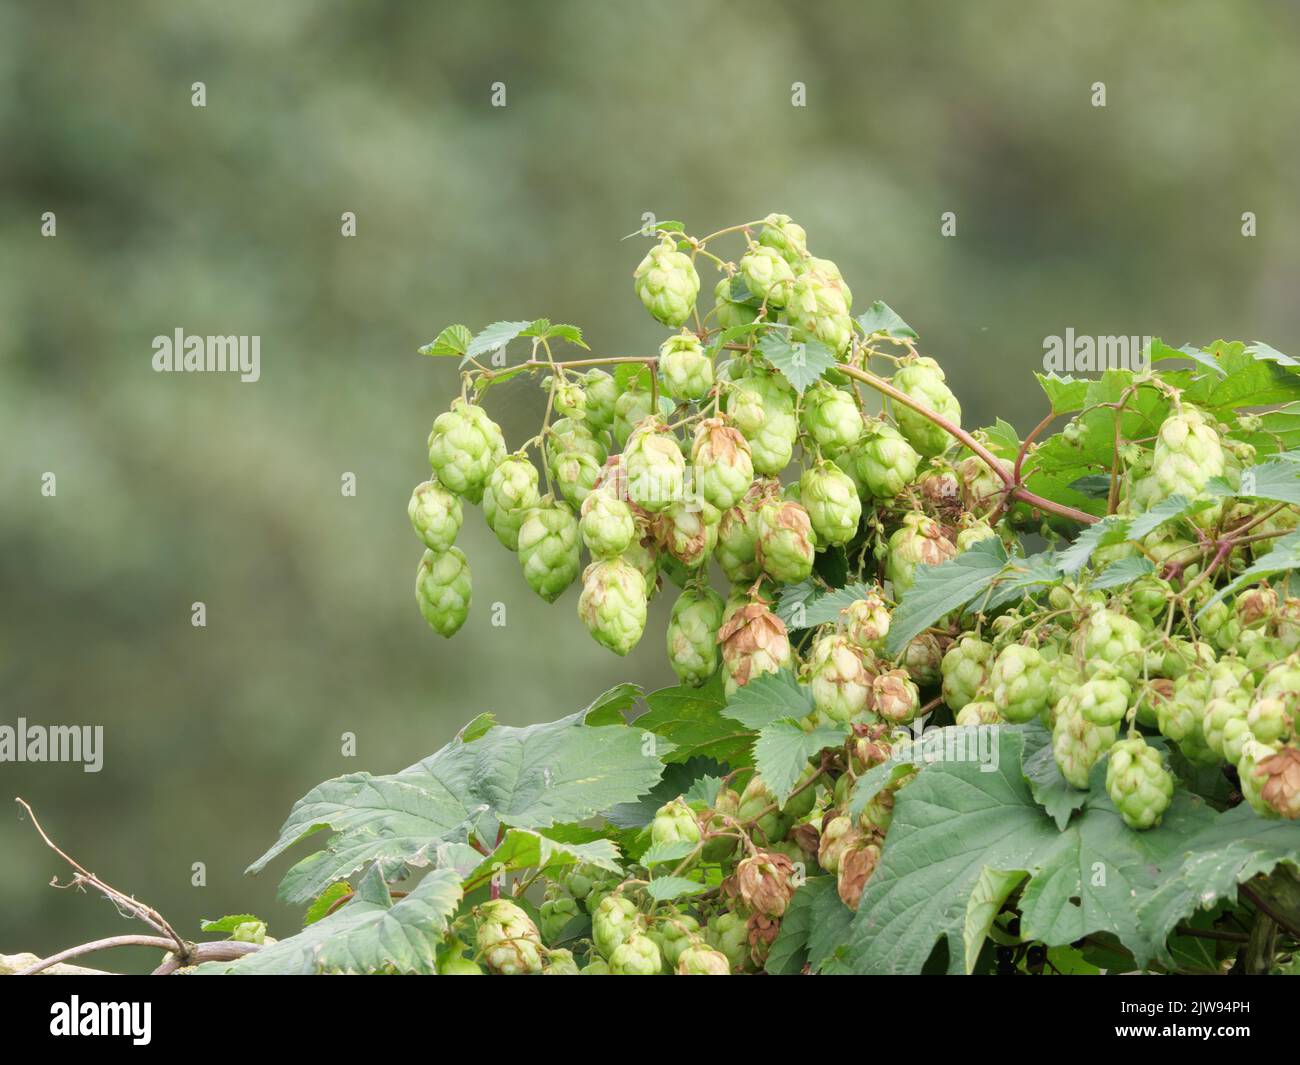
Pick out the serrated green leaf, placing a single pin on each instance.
(1065, 394)
(476, 727)
(662, 853)
(663, 888)
(991, 890)
(695, 780)
(692, 719)
(799, 363)
(1023, 576)
(768, 698)
(520, 849)
(325, 901)
(881, 318)
(494, 337)
(941, 589)
(1108, 532)
(1092, 485)
(651, 229)
(1277, 481)
(1050, 789)
(782, 751)
(454, 340)
(826, 608)
(228, 923)
(610, 707)
(793, 600)
(1284, 558)
(789, 952)
(369, 934)
(875, 780)
(1123, 572)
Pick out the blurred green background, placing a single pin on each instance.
(181, 488)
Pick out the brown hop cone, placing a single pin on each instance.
(1256, 605)
(1281, 788)
(871, 746)
(762, 934)
(766, 882)
(940, 488)
(806, 837)
(754, 641)
(857, 863)
(894, 696)
(613, 475)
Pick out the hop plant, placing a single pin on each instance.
(667, 284)
(919, 541)
(838, 679)
(729, 313)
(766, 274)
(762, 406)
(737, 546)
(510, 494)
(832, 502)
(839, 834)
(636, 956)
(866, 621)
(465, 445)
(766, 882)
(817, 309)
(1078, 744)
(724, 468)
(613, 604)
(753, 641)
(633, 406)
(831, 417)
(561, 963)
(684, 369)
(923, 659)
(1280, 776)
(1252, 776)
(655, 467)
(1105, 700)
(508, 941)
(965, 668)
(674, 822)
(784, 543)
(923, 381)
(548, 550)
(1225, 726)
(727, 934)
(693, 635)
(436, 515)
(701, 960)
(1020, 682)
(607, 525)
(856, 865)
(688, 532)
(885, 461)
(895, 696)
(785, 236)
(1138, 783)
(602, 394)
(674, 933)
(442, 590)
(980, 712)
(556, 911)
(1187, 454)
(613, 922)
(1110, 642)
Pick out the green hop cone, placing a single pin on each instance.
(1105, 700)
(887, 462)
(1188, 453)
(548, 550)
(632, 407)
(508, 941)
(838, 679)
(728, 313)
(556, 912)
(975, 533)
(685, 371)
(443, 591)
(923, 659)
(724, 468)
(785, 236)
(613, 604)
(767, 275)
(1268, 719)
(981, 488)
(456, 965)
(754, 641)
(510, 494)
(980, 712)
(1110, 642)
(1019, 680)
(866, 621)
(656, 470)
(785, 541)
(839, 834)
(674, 933)
(1138, 783)
(918, 542)
(818, 309)
(607, 525)
(612, 922)
(1282, 683)
(831, 417)
(637, 955)
(436, 515)
(966, 667)
(1078, 744)
(832, 502)
(674, 822)
(728, 934)
(569, 398)
(923, 381)
(602, 394)
(667, 284)
(693, 635)
(762, 406)
(574, 470)
(700, 960)
(1225, 726)
(561, 963)
(464, 447)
